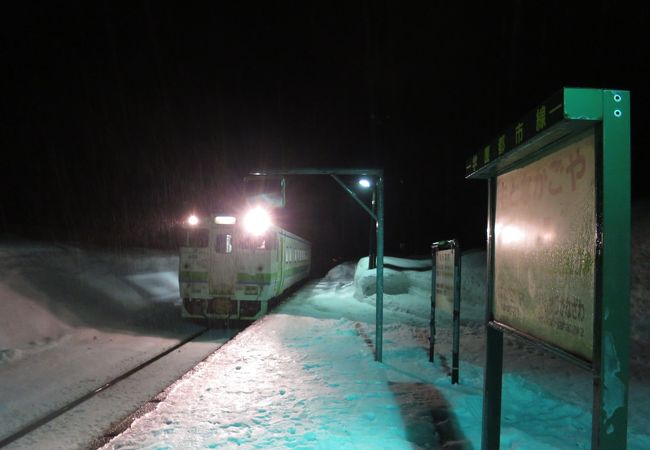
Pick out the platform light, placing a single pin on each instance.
(257, 221)
(225, 220)
(193, 220)
(364, 183)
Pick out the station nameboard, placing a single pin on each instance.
(545, 247)
(558, 236)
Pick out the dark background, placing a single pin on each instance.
(119, 119)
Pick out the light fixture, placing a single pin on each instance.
(364, 183)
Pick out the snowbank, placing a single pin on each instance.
(409, 290)
(71, 319)
(48, 291)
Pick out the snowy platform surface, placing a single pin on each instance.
(304, 377)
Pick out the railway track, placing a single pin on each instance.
(37, 424)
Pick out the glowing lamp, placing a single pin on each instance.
(364, 183)
(193, 220)
(257, 221)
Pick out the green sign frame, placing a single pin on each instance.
(568, 114)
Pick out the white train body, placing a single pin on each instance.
(227, 273)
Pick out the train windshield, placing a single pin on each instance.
(250, 242)
(198, 237)
(223, 243)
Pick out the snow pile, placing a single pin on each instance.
(48, 291)
(402, 286)
(395, 282)
(342, 273)
(72, 319)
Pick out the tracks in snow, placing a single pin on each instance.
(50, 417)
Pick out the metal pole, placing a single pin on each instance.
(456, 341)
(432, 319)
(612, 315)
(492, 381)
(353, 195)
(372, 257)
(380, 268)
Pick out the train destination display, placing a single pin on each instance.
(545, 247)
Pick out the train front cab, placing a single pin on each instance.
(227, 274)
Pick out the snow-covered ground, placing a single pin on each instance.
(304, 376)
(70, 321)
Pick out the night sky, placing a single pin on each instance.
(118, 119)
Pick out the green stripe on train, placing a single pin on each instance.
(189, 276)
(296, 270)
(259, 278)
(266, 277)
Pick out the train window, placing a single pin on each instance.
(198, 238)
(264, 242)
(223, 243)
(252, 243)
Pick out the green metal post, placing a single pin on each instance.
(494, 343)
(380, 268)
(455, 356)
(609, 429)
(354, 196)
(432, 319)
(372, 257)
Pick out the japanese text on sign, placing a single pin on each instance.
(545, 244)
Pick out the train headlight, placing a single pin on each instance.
(257, 221)
(193, 220)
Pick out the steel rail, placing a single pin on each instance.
(56, 413)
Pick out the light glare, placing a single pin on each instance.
(512, 235)
(193, 220)
(257, 221)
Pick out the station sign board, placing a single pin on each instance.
(559, 247)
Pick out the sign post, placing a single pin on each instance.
(559, 247)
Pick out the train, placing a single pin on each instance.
(237, 269)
